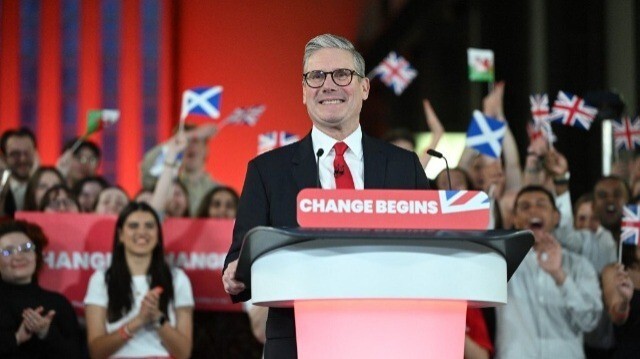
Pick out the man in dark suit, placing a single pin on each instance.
(347, 159)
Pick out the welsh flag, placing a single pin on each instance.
(481, 65)
(99, 119)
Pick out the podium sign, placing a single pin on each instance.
(393, 209)
(382, 273)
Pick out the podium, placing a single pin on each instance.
(375, 293)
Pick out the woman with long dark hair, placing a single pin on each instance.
(139, 307)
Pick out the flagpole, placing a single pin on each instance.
(620, 251)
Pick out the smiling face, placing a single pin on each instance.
(533, 210)
(47, 180)
(585, 219)
(111, 201)
(19, 267)
(20, 156)
(334, 110)
(222, 205)
(139, 234)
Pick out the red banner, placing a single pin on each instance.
(396, 209)
(80, 244)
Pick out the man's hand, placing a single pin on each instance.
(549, 254)
(624, 285)
(492, 104)
(555, 163)
(231, 285)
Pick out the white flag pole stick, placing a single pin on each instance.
(620, 252)
(607, 145)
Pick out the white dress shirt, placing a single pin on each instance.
(353, 156)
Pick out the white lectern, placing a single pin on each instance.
(380, 293)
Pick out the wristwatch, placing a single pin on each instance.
(562, 179)
(161, 320)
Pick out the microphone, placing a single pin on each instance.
(318, 154)
(434, 153)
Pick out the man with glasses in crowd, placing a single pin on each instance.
(334, 88)
(18, 152)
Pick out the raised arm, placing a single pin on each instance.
(436, 128)
(493, 106)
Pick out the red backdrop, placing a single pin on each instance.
(60, 58)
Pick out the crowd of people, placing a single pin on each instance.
(571, 297)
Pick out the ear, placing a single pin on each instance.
(304, 94)
(365, 87)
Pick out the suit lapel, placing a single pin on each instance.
(375, 163)
(305, 171)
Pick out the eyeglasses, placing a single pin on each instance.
(23, 248)
(91, 160)
(61, 203)
(340, 77)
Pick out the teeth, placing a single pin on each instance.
(611, 208)
(331, 102)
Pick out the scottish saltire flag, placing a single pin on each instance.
(202, 101)
(481, 65)
(274, 139)
(463, 201)
(100, 119)
(395, 72)
(626, 133)
(571, 110)
(245, 115)
(630, 233)
(485, 134)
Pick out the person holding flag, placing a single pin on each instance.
(621, 289)
(190, 166)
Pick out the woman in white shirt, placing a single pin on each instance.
(139, 307)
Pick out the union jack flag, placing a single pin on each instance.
(203, 101)
(539, 107)
(245, 115)
(485, 134)
(271, 140)
(626, 133)
(463, 201)
(630, 225)
(395, 72)
(571, 110)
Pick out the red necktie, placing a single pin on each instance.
(341, 170)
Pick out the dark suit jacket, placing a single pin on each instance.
(268, 198)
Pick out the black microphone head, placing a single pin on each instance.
(434, 153)
(320, 152)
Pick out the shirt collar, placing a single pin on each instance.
(324, 141)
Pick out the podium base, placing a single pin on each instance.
(394, 328)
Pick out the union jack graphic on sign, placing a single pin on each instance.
(463, 201)
(630, 225)
(274, 139)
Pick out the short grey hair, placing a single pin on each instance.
(329, 41)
